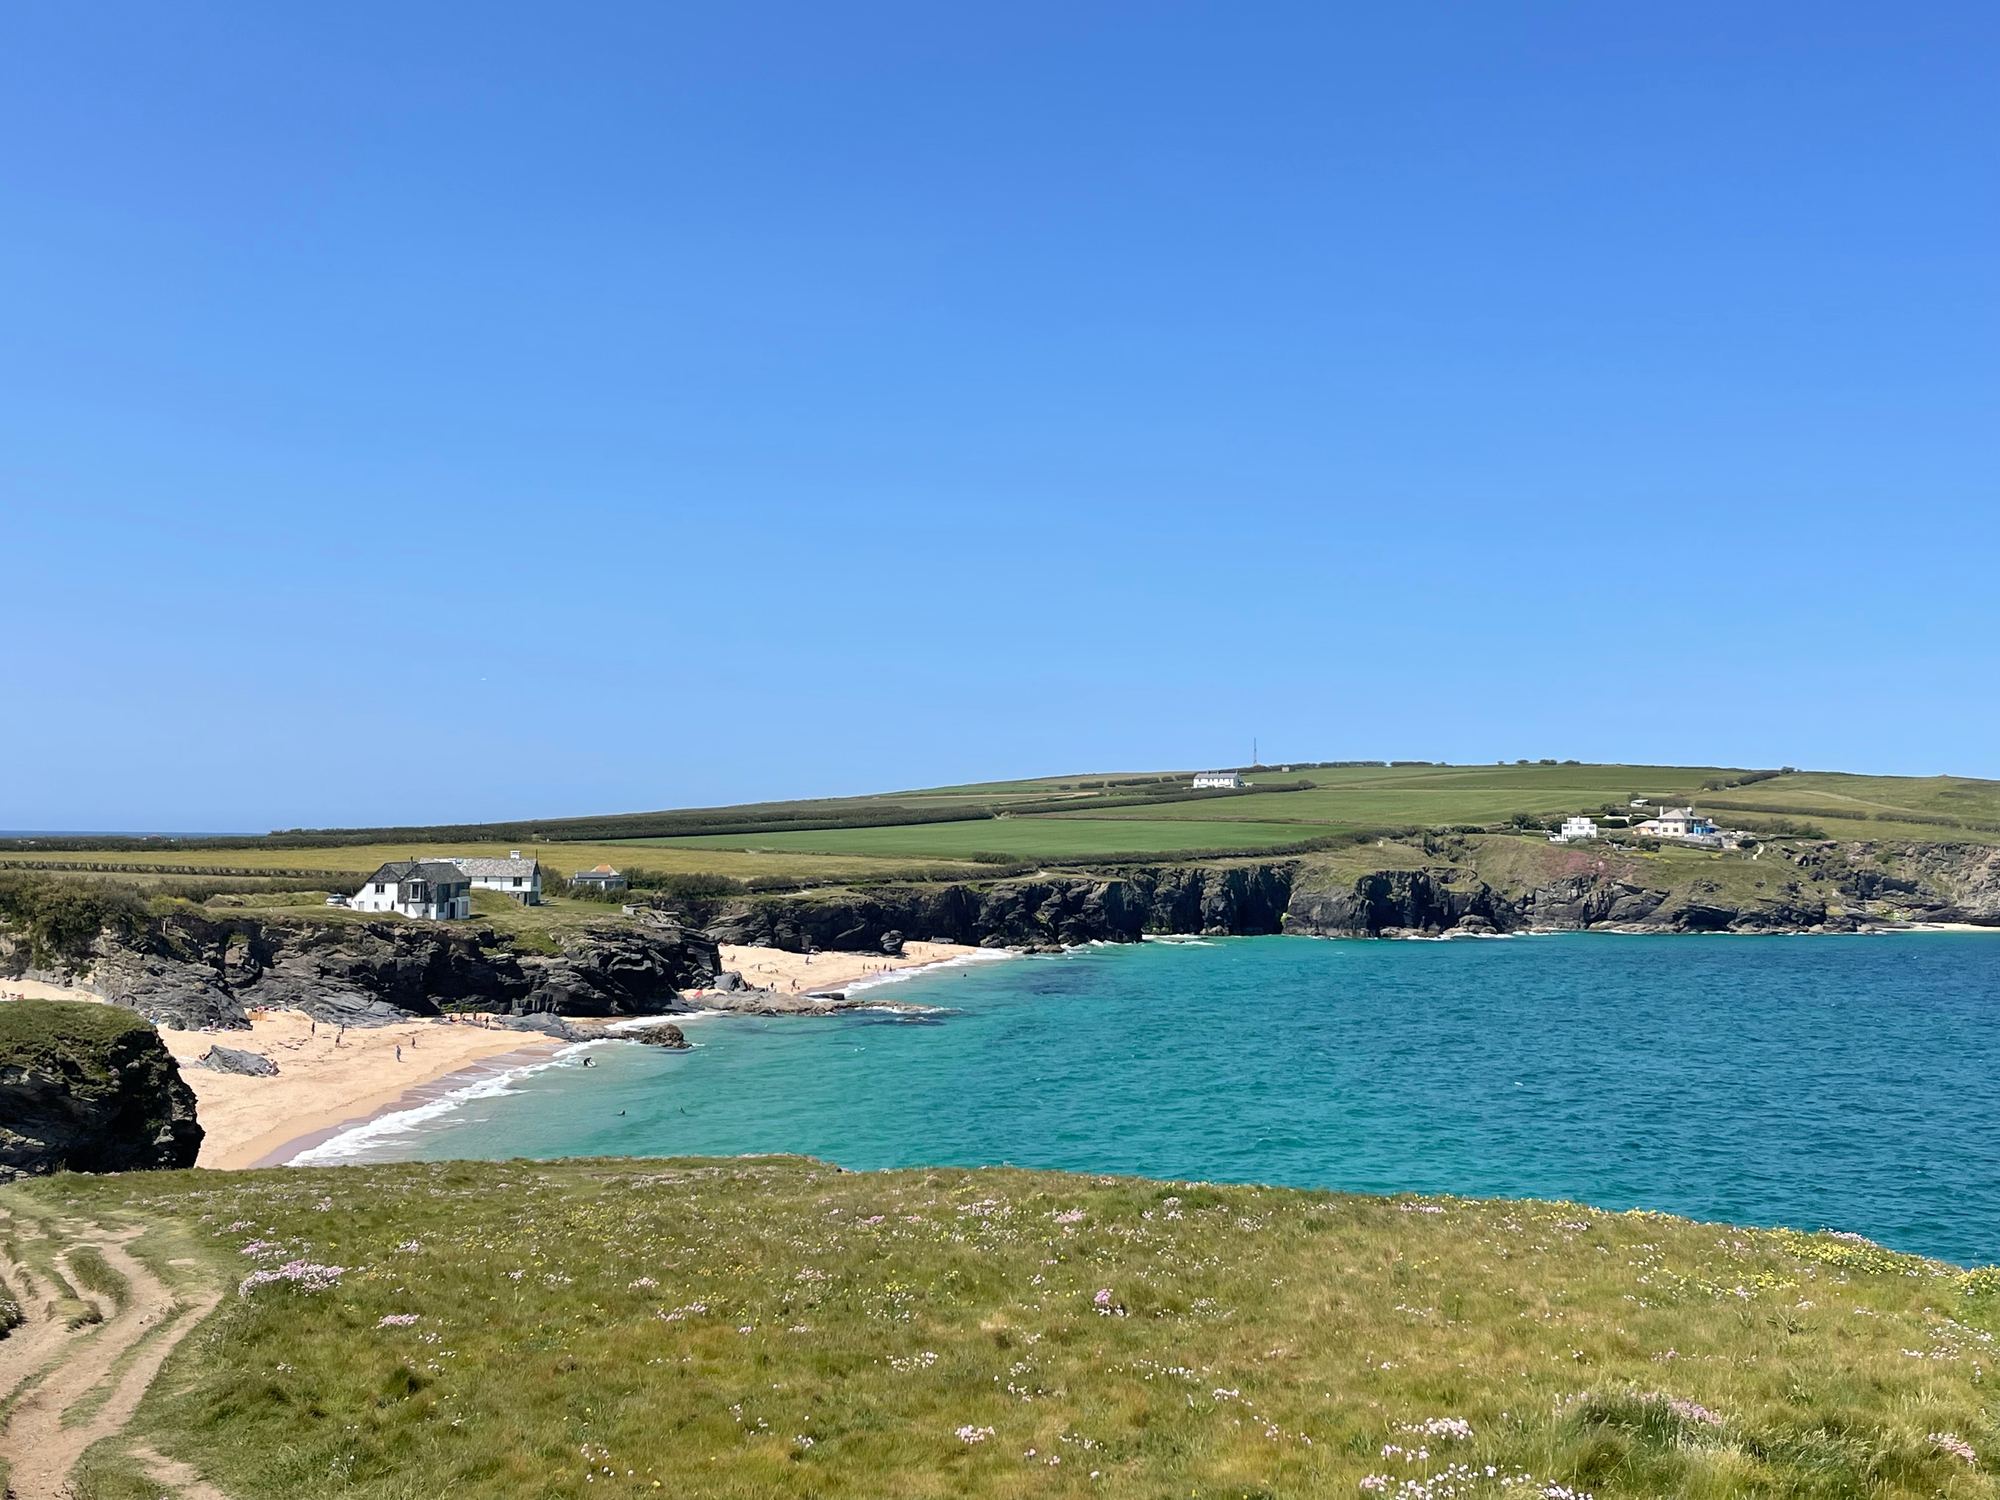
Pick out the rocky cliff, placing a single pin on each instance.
(1475, 884)
(190, 968)
(193, 967)
(1513, 885)
(1041, 912)
(89, 1088)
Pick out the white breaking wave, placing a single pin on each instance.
(897, 976)
(353, 1142)
(640, 1023)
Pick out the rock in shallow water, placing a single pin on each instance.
(661, 1034)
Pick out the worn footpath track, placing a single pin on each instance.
(50, 1371)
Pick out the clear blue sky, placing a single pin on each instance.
(417, 412)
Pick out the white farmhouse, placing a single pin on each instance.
(432, 888)
(1206, 780)
(1574, 830)
(1682, 824)
(513, 876)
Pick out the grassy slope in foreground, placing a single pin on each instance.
(774, 1326)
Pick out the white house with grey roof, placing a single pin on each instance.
(435, 889)
(513, 876)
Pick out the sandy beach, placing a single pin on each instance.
(325, 1078)
(35, 989)
(801, 973)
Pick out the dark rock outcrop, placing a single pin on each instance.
(546, 1023)
(192, 969)
(1820, 887)
(1432, 901)
(89, 1088)
(659, 1034)
(1034, 913)
(235, 1060)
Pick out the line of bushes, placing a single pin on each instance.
(1748, 778)
(1927, 820)
(56, 917)
(107, 867)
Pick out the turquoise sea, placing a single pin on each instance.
(1823, 1082)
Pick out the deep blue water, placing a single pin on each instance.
(1850, 1083)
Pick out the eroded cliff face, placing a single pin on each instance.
(1473, 885)
(1514, 887)
(191, 969)
(85, 1088)
(1045, 912)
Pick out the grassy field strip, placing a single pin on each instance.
(362, 859)
(1052, 837)
(1940, 808)
(777, 1327)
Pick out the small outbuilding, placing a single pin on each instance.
(434, 889)
(603, 878)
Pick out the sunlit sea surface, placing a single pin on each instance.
(1822, 1082)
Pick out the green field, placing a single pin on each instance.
(777, 1327)
(1347, 798)
(1021, 838)
(1142, 814)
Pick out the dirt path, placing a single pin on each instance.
(32, 1343)
(65, 1366)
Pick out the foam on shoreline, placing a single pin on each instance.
(347, 1143)
(344, 1144)
(897, 976)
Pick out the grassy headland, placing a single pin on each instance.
(775, 1326)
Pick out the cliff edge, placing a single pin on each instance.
(89, 1088)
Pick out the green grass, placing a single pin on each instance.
(777, 1327)
(63, 1035)
(94, 1273)
(1880, 807)
(1108, 814)
(1022, 838)
(363, 859)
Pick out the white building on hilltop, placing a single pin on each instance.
(1682, 824)
(513, 876)
(1574, 830)
(1207, 780)
(435, 889)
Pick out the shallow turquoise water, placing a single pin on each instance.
(1851, 1083)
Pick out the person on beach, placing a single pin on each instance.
(399, 1054)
